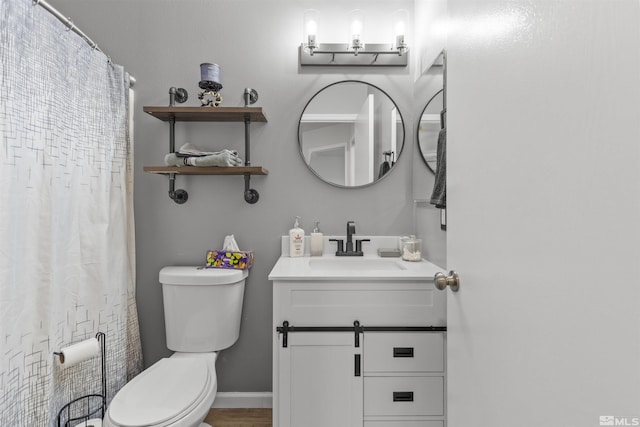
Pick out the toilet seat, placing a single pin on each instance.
(162, 394)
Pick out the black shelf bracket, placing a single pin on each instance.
(179, 95)
(251, 196)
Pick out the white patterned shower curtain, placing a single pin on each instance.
(67, 260)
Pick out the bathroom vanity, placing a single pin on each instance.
(358, 341)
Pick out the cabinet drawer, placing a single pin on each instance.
(385, 423)
(399, 396)
(404, 352)
(330, 303)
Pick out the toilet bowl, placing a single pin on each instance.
(174, 392)
(202, 316)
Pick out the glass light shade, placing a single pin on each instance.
(311, 18)
(400, 22)
(356, 29)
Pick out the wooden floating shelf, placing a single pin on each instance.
(201, 170)
(173, 114)
(207, 114)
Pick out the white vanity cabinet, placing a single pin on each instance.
(358, 352)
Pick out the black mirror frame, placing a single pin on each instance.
(397, 158)
(424, 158)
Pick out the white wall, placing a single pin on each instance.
(430, 32)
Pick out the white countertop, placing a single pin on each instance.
(370, 266)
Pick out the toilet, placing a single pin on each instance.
(202, 309)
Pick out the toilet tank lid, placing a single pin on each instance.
(191, 275)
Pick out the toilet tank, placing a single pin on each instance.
(202, 307)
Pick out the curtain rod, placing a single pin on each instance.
(67, 22)
(71, 26)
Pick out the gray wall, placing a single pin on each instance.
(162, 43)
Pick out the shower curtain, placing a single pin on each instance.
(67, 261)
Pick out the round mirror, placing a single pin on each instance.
(429, 129)
(351, 134)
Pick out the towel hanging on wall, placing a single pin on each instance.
(386, 165)
(439, 194)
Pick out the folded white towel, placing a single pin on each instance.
(192, 150)
(220, 158)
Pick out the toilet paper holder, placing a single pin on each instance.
(91, 406)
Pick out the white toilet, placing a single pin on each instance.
(202, 309)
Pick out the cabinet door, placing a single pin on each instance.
(320, 380)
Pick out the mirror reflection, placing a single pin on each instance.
(429, 129)
(351, 134)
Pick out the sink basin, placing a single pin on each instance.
(354, 264)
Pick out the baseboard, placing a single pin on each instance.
(243, 400)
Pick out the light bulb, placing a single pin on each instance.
(356, 28)
(399, 28)
(311, 29)
(400, 20)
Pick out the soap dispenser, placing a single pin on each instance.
(296, 240)
(317, 242)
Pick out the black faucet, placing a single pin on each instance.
(349, 251)
(351, 230)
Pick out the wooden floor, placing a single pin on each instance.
(239, 417)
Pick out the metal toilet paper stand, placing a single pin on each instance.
(89, 406)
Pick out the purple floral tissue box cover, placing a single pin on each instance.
(240, 260)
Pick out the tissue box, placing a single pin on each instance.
(240, 260)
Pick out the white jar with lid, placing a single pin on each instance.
(411, 248)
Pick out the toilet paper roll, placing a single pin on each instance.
(79, 352)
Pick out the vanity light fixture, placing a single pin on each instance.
(354, 52)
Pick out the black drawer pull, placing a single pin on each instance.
(403, 396)
(402, 351)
